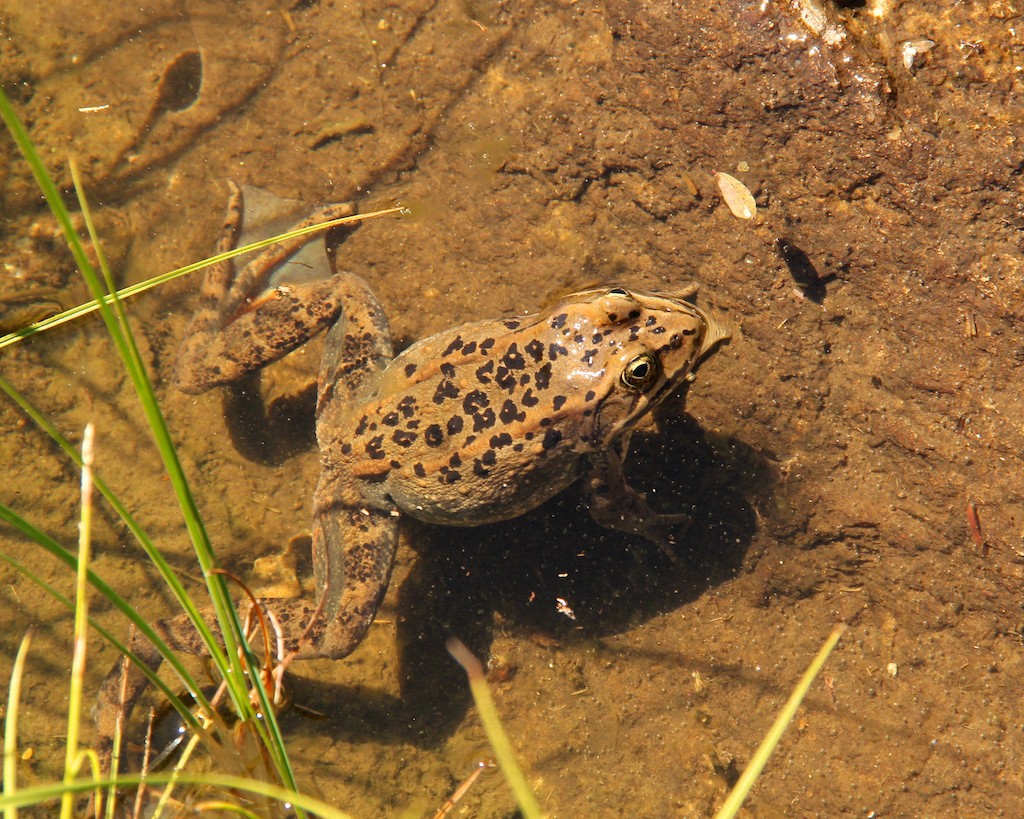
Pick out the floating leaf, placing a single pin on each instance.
(737, 197)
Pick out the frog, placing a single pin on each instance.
(473, 425)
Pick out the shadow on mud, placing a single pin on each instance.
(558, 577)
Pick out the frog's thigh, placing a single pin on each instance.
(276, 324)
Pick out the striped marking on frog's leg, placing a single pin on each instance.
(207, 318)
(357, 350)
(239, 326)
(353, 552)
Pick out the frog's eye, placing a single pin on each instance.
(618, 291)
(641, 372)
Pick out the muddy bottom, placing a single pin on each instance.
(829, 455)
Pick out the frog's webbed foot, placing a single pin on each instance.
(241, 324)
(615, 504)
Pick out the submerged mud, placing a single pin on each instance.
(828, 455)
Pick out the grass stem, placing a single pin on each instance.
(11, 725)
(496, 735)
(753, 770)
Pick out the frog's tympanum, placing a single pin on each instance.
(476, 424)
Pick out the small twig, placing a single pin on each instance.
(481, 766)
(975, 526)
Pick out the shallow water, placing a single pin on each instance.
(830, 451)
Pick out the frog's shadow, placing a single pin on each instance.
(557, 575)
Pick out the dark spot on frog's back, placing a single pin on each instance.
(505, 379)
(475, 401)
(551, 439)
(513, 359)
(558, 322)
(556, 350)
(407, 406)
(469, 349)
(455, 425)
(445, 390)
(483, 420)
(535, 349)
(448, 475)
(375, 447)
(403, 437)
(558, 402)
(455, 345)
(419, 470)
(511, 324)
(542, 378)
(500, 440)
(510, 412)
(484, 371)
(433, 436)
(409, 370)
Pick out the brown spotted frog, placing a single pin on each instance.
(476, 424)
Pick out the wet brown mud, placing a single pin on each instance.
(829, 454)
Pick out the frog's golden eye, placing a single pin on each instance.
(618, 291)
(641, 372)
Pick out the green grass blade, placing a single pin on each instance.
(134, 365)
(741, 789)
(41, 794)
(81, 310)
(119, 330)
(81, 630)
(496, 736)
(239, 684)
(10, 785)
(167, 574)
(126, 609)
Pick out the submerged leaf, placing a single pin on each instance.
(737, 197)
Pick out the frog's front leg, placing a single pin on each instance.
(615, 504)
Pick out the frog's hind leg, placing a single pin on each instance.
(240, 325)
(355, 529)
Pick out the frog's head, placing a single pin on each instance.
(654, 341)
